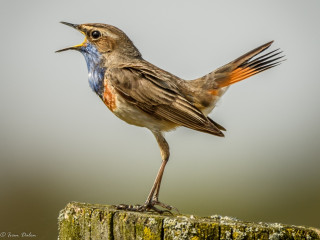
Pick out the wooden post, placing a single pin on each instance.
(79, 221)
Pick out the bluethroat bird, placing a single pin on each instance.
(144, 95)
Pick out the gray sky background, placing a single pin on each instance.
(59, 143)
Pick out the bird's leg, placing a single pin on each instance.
(154, 192)
(165, 153)
(153, 196)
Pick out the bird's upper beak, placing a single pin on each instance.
(76, 47)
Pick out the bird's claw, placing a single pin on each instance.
(147, 207)
(163, 205)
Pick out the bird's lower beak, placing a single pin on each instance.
(76, 47)
(68, 48)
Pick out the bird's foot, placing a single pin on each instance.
(163, 205)
(140, 208)
(147, 207)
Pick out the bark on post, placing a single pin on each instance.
(79, 221)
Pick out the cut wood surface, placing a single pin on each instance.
(79, 221)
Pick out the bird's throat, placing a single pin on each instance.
(95, 66)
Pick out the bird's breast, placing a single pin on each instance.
(109, 96)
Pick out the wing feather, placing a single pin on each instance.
(159, 98)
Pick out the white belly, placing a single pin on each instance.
(133, 115)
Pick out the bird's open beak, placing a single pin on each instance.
(76, 47)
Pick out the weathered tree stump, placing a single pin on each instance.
(91, 221)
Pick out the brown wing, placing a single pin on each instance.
(158, 97)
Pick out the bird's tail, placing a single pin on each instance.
(241, 68)
(207, 90)
(246, 66)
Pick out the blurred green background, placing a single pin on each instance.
(59, 143)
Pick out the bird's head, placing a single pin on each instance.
(104, 45)
(104, 39)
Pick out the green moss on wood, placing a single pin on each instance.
(133, 226)
(79, 221)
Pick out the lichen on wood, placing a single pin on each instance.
(79, 221)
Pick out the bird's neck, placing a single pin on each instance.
(96, 69)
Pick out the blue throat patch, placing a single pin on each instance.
(95, 70)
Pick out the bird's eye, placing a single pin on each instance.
(95, 34)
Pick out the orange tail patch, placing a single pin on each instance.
(238, 75)
(245, 67)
